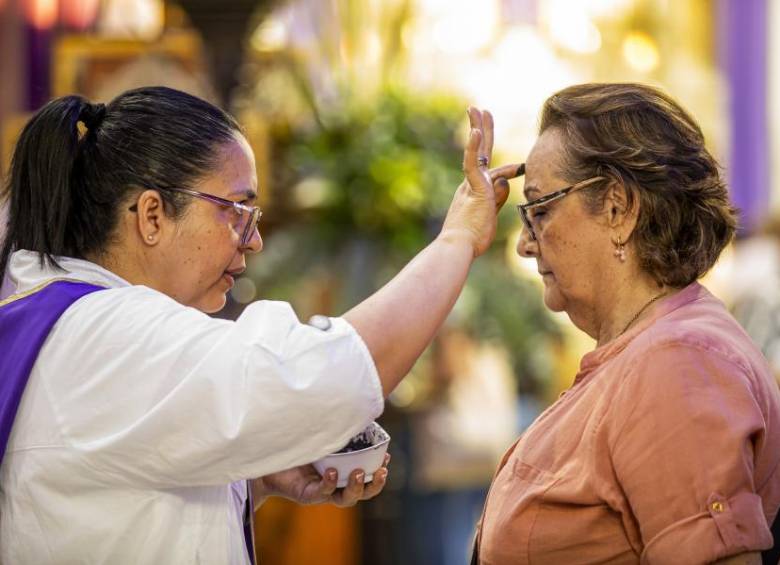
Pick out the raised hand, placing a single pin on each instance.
(472, 213)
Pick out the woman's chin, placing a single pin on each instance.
(553, 299)
(211, 304)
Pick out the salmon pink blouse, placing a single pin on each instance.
(666, 449)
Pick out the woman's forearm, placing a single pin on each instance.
(399, 320)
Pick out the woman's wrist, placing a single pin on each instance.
(460, 238)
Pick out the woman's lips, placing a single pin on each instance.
(230, 276)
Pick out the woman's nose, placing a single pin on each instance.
(526, 245)
(255, 243)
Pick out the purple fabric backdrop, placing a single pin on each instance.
(742, 46)
(39, 45)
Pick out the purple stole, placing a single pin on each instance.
(25, 323)
(249, 523)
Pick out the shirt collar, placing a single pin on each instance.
(663, 307)
(25, 272)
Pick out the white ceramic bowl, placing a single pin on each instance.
(369, 458)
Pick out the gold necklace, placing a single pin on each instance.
(642, 309)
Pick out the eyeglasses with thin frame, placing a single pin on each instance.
(528, 221)
(250, 215)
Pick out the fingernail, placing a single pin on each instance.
(331, 475)
(359, 477)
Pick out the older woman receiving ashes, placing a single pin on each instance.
(666, 448)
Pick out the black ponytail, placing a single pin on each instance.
(39, 187)
(76, 163)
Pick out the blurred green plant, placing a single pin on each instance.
(382, 171)
(371, 185)
(369, 189)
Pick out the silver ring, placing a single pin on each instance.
(482, 161)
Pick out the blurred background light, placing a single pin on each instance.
(641, 52)
(570, 26)
(607, 9)
(41, 14)
(244, 291)
(79, 15)
(311, 192)
(132, 19)
(270, 35)
(460, 27)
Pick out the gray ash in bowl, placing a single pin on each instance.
(355, 445)
(372, 435)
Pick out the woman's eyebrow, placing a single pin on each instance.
(529, 190)
(247, 193)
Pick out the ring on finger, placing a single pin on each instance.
(482, 161)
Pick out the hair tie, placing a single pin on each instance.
(92, 115)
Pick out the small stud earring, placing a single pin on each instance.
(620, 250)
(150, 237)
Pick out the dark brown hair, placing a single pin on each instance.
(66, 187)
(638, 136)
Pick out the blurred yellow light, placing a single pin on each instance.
(403, 395)
(311, 192)
(136, 19)
(612, 9)
(578, 36)
(521, 72)
(570, 26)
(407, 35)
(271, 35)
(373, 47)
(641, 52)
(433, 6)
(344, 49)
(457, 30)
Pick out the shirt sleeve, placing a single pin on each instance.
(685, 429)
(153, 393)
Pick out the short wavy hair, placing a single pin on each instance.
(640, 137)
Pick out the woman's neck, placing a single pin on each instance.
(629, 302)
(122, 262)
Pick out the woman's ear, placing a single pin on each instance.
(621, 209)
(150, 216)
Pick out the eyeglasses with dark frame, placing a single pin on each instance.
(547, 198)
(249, 214)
